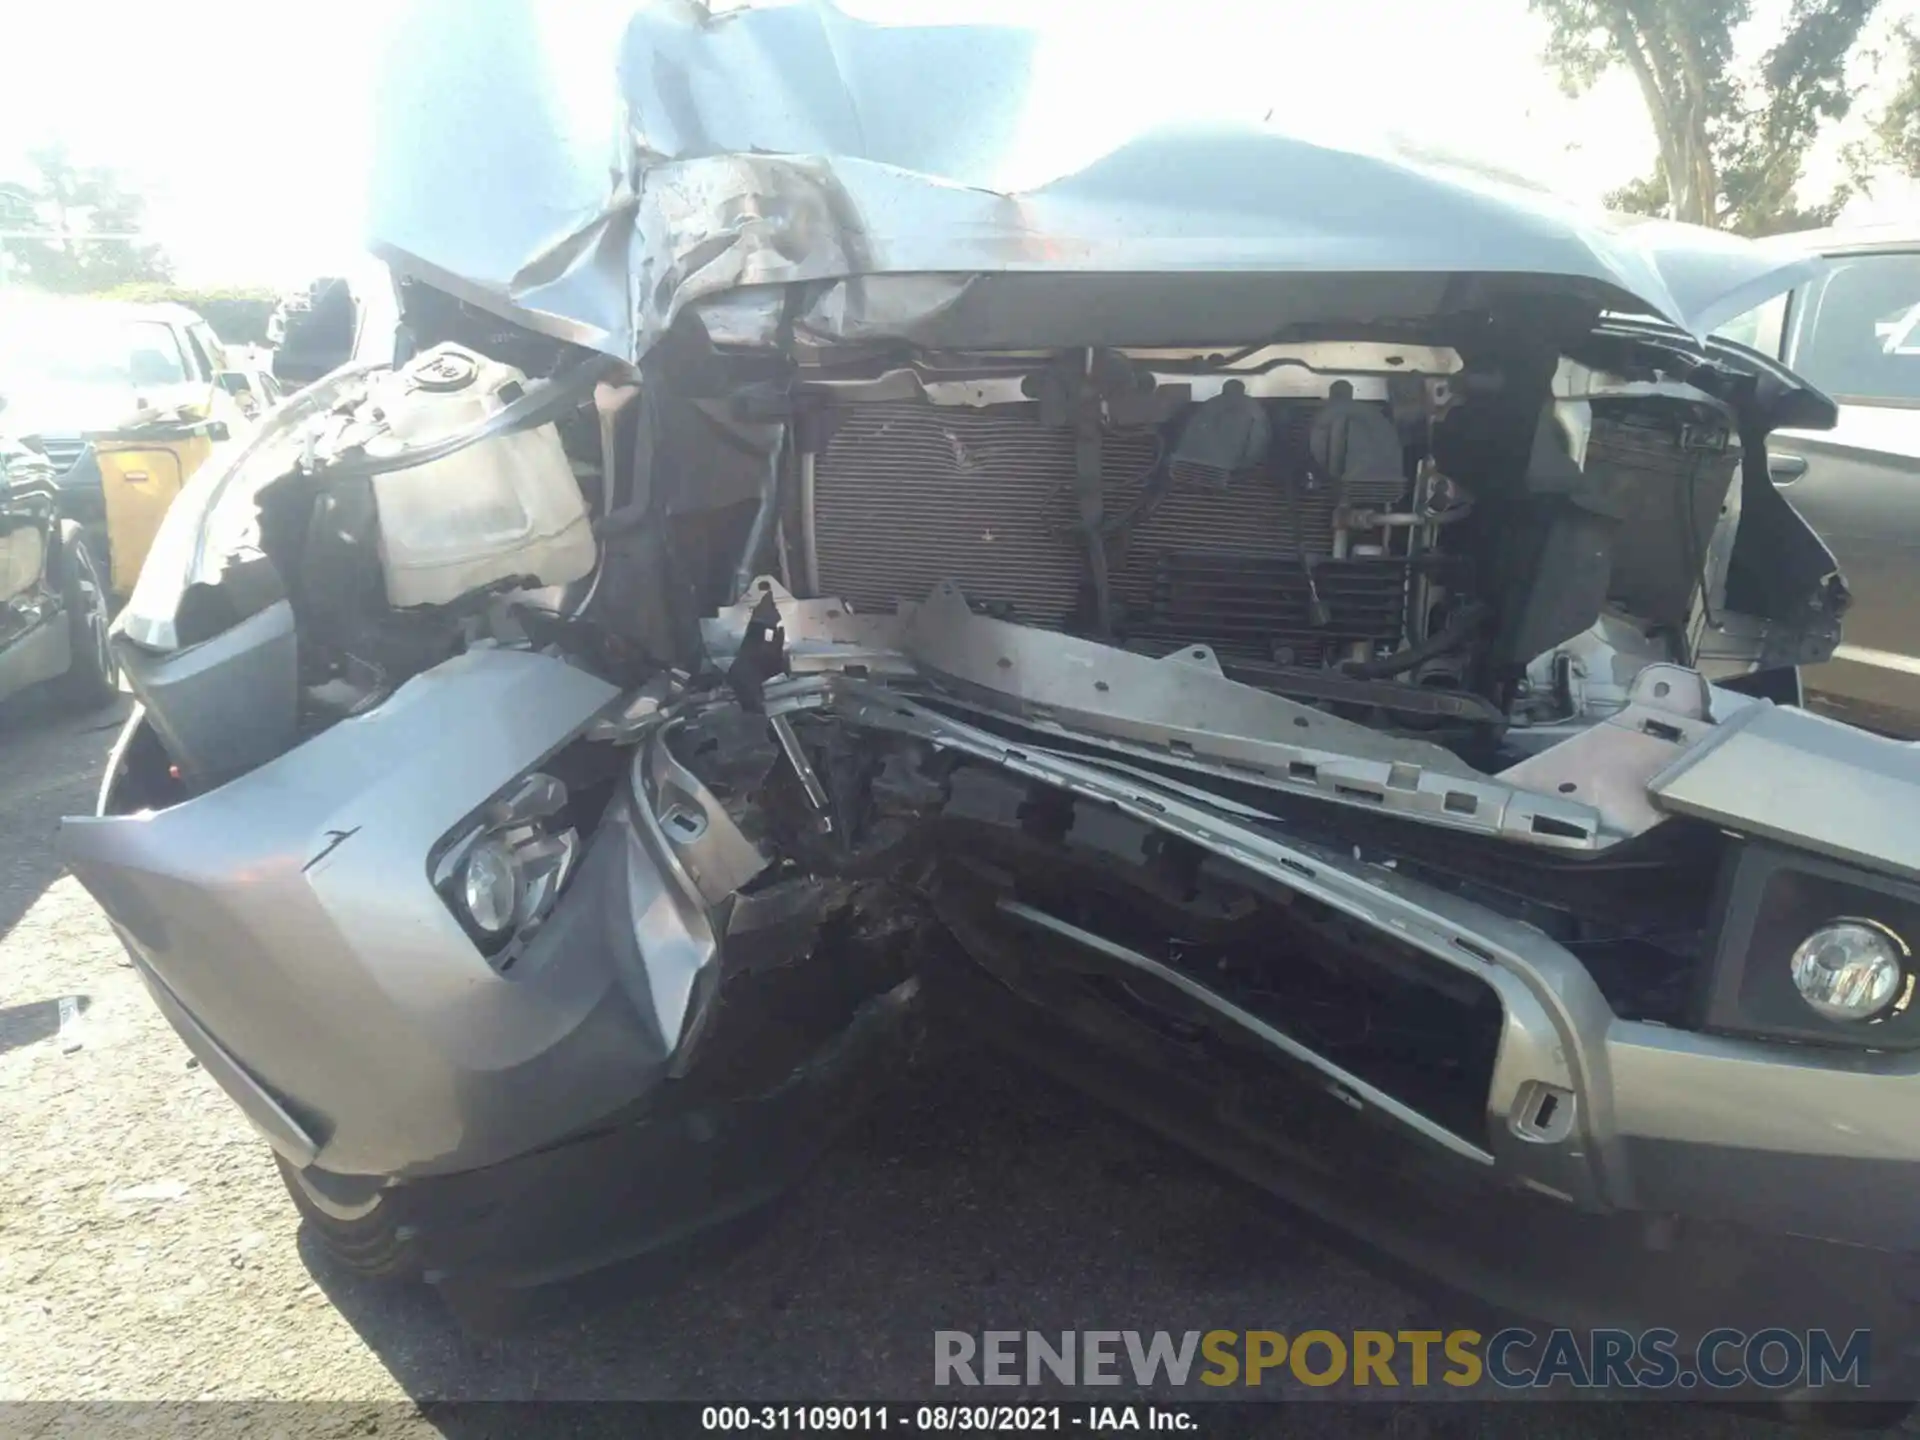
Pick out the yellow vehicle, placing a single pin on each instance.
(142, 467)
(127, 401)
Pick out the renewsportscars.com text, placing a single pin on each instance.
(1511, 1359)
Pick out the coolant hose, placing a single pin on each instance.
(1455, 632)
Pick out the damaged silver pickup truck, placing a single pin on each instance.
(1300, 642)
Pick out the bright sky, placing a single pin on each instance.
(249, 132)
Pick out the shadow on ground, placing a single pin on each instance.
(970, 1198)
(50, 765)
(36, 1020)
(975, 1196)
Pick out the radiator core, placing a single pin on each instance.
(908, 494)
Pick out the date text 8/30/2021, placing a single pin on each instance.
(996, 1418)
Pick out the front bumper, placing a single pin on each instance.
(584, 1108)
(288, 926)
(680, 1169)
(1787, 1138)
(290, 917)
(1483, 1253)
(542, 1123)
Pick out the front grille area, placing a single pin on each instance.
(909, 494)
(1063, 898)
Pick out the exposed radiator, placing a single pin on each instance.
(1261, 607)
(908, 494)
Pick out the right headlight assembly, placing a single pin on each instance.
(503, 871)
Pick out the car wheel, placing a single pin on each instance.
(92, 676)
(356, 1218)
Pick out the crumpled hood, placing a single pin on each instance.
(590, 170)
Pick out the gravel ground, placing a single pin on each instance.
(148, 1252)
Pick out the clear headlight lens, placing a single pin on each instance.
(490, 886)
(1851, 970)
(503, 875)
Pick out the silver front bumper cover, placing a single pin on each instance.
(290, 915)
(1789, 1138)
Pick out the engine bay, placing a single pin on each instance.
(1293, 712)
(1474, 554)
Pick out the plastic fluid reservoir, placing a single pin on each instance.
(505, 508)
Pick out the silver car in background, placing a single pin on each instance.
(1854, 331)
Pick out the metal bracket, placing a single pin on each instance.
(782, 728)
(701, 838)
(1186, 714)
(1608, 765)
(822, 634)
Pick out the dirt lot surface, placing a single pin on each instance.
(148, 1252)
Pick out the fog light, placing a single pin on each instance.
(490, 886)
(1852, 970)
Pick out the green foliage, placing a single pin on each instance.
(1896, 130)
(1645, 196)
(75, 231)
(1892, 141)
(1803, 86)
(238, 314)
(1731, 146)
(1682, 41)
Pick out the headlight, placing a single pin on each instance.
(1852, 970)
(502, 873)
(490, 886)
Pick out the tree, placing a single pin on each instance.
(74, 230)
(1646, 196)
(1896, 129)
(1730, 146)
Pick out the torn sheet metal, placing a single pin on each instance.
(1181, 701)
(816, 635)
(592, 170)
(1181, 710)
